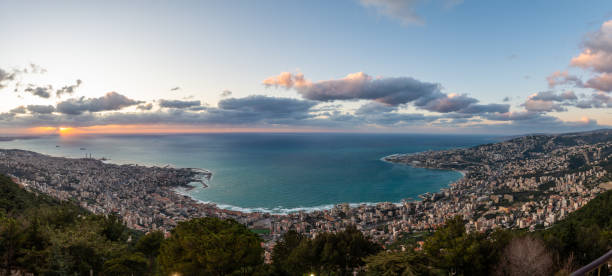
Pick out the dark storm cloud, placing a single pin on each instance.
(110, 101)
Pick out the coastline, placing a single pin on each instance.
(281, 206)
(280, 210)
(151, 198)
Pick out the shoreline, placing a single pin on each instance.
(151, 198)
(279, 210)
(201, 178)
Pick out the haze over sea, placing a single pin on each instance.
(276, 172)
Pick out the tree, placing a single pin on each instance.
(11, 240)
(149, 245)
(389, 264)
(282, 250)
(34, 251)
(525, 256)
(338, 253)
(210, 246)
(452, 249)
(128, 265)
(113, 228)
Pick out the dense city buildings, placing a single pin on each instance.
(527, 182)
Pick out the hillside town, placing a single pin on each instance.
(528, 182)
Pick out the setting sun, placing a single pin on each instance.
(65, 130)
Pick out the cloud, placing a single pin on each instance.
(263, 111)
(226, 93)
(286, 80)
(145, 107)
(390, 91)
(460, 104)
(400, 10)
(601, 82)
(40, 91)
(108, 102)
(448, 103)
(375, 107)
(395, 119)
(547, 101)
(596, 60)
(34, 69)
(596, 100)
(596, 56)
(542, 106)
(562, 78)
(513, 116)
(41, 109)
(69, 89)
(552, 96)
(257, 105)
(485, 108)
(6, 77)
(178, 103)
(248, 111)
(18, 110)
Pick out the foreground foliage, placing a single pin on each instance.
(209, 246)
(328, 253)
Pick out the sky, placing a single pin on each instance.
(412, 66)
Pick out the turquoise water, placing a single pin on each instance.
(277, 172)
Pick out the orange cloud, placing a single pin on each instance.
(286, 80)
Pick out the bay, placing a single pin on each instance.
(276, 172)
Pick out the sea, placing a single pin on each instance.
(276, 172)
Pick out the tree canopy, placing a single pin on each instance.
(211, 246)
